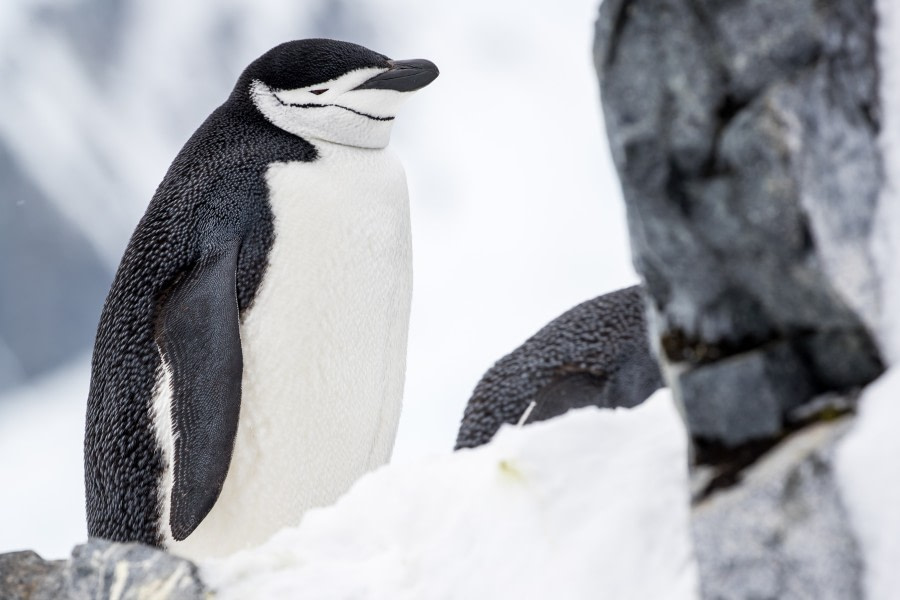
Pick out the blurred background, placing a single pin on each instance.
(517, 214)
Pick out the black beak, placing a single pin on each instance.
(403, 76)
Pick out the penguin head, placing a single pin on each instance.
(333, 91)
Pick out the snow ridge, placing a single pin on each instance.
(558, 509)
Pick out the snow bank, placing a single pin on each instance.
(868, 468)
(590, 505)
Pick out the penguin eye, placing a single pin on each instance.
(317, 92)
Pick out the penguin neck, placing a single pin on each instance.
(332, 123)
(332, 127)
(327, 148)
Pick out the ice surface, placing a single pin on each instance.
(591, 505)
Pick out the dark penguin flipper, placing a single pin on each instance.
(199, 337)
(635, 375)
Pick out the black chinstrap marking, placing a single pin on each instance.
(312, 105)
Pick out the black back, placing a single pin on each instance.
(596, 354)
(210, 209)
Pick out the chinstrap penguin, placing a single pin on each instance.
(250, 357)
(596, 354)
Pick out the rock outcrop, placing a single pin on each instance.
(26, 576)
(100, 569)
(782, 531)
(745, 135)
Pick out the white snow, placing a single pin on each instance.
(41, 473)
(591, 505)
(868, 468)
(868, 460)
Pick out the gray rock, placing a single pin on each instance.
(781, 532)
(745, 136)
(773, 375)
(27, 576)
(100, 569)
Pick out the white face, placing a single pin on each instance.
(333, 111)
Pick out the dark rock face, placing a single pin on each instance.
(773, 374)
(100, 569)
(52, 282)
(596, 354)
(783, 531)
(744, 133)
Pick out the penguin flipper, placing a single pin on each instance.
(198, 335)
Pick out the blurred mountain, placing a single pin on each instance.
(98, 97)
(53, 280)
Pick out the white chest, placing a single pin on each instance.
(324, 346)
